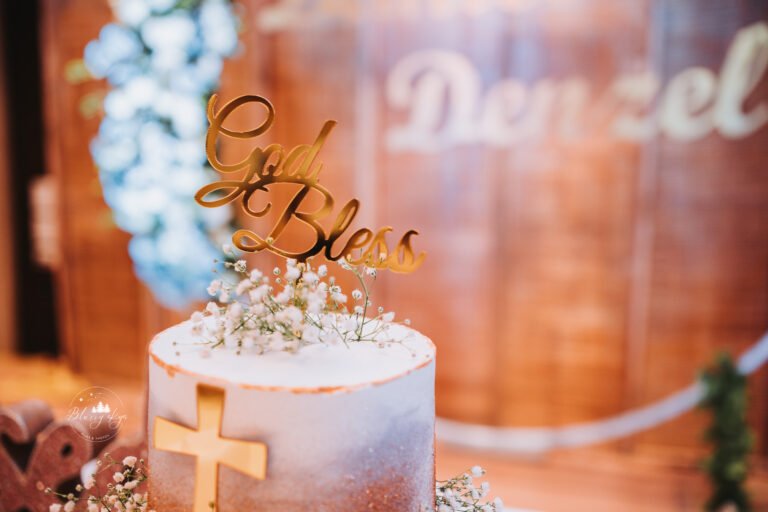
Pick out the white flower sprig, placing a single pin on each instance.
(119, 496)
(460, 494)
(295, 307)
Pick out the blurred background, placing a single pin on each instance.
(588, 177)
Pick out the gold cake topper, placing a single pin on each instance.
(274, 165)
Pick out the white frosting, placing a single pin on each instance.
(313, 366)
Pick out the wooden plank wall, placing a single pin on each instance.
(707, 281)
(572, 273)
(7, 309)
(99, 298)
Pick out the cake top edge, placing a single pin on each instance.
(317, 368)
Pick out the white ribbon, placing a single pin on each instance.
(533, 440)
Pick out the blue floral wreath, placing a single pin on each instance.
(163, 59)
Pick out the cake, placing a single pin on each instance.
(346, 428)
(284, 394)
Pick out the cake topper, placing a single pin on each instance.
(274, 164)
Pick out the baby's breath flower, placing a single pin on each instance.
(235, 311)
(292, 274)
(300, 305)
(118, 497)
(459, 494)
(243, 286)
(213, 309)
(214, 287)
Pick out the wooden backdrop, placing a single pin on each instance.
(596, 217)
(7, 308)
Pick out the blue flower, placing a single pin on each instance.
(116, 44)
(163, 62)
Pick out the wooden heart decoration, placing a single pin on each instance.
(35, 453)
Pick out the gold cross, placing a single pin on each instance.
(210, 448)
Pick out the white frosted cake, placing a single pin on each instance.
(285, 394)
(343, 427)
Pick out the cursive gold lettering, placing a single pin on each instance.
(299, 166)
